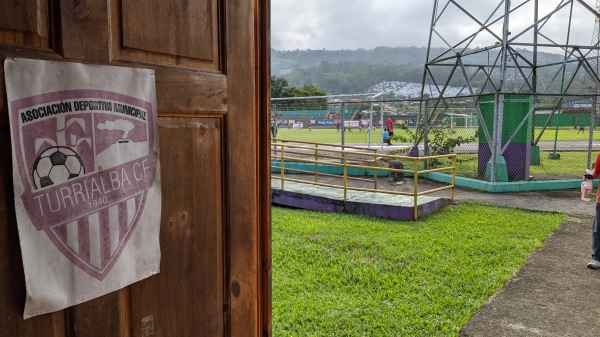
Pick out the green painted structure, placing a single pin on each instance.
(513, 163)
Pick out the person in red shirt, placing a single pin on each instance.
(389, 125)
(595, 262)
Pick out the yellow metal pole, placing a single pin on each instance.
(316, 162)
(281, 166)
(345, 175)
(453, 178)
(375, 172)
(415, 188)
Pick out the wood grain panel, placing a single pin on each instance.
(186, 298)
(214, 234)
(196, 90)
(120, 52)
(175, 27)
(264, 156)
(24, 23)
(96, 318)
(242, 149)
(84, 33)
(20, 15)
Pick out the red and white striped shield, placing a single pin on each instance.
(86, 160)
(86, 178)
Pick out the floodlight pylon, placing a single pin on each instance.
(502, 47)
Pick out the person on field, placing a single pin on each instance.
(274, 127)
(389, 125)
(385, 136)
(593, 174)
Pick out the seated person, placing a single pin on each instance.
(386, 137)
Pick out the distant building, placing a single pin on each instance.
(577, 107)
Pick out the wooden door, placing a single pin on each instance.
(212, 83)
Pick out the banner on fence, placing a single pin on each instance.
(86, 178)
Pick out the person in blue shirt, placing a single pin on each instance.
(386, 137)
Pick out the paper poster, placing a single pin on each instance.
(86, 178)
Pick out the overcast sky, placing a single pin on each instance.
(352, 24)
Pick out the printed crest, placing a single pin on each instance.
(86, 159)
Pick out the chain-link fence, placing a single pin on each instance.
(346, 120)
(510, 137)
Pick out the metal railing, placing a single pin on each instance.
(317, 155)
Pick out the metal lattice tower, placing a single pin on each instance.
(596, 39)
(589, 82)
(590, 85)
(519, 46)
(503, 49)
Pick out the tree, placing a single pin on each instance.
(442, 138)
(305, 91)
(279, 86)
(281, 89)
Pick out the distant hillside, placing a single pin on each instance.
(285, 61)
(358, 71)
(411, 90)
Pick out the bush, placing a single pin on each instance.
(441, 138)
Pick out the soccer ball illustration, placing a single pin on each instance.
(56, 165)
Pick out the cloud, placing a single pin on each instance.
(343, 24)
(120, 124)
(337, 24)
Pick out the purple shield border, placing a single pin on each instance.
(79, 261)
(71, 94)
(19, 104)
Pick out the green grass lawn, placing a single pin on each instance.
(565, 134)
(348, 275)
(355, 136)
(330, 136)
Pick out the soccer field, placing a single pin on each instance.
(331, 136)
(353, 136)
(356, 136)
